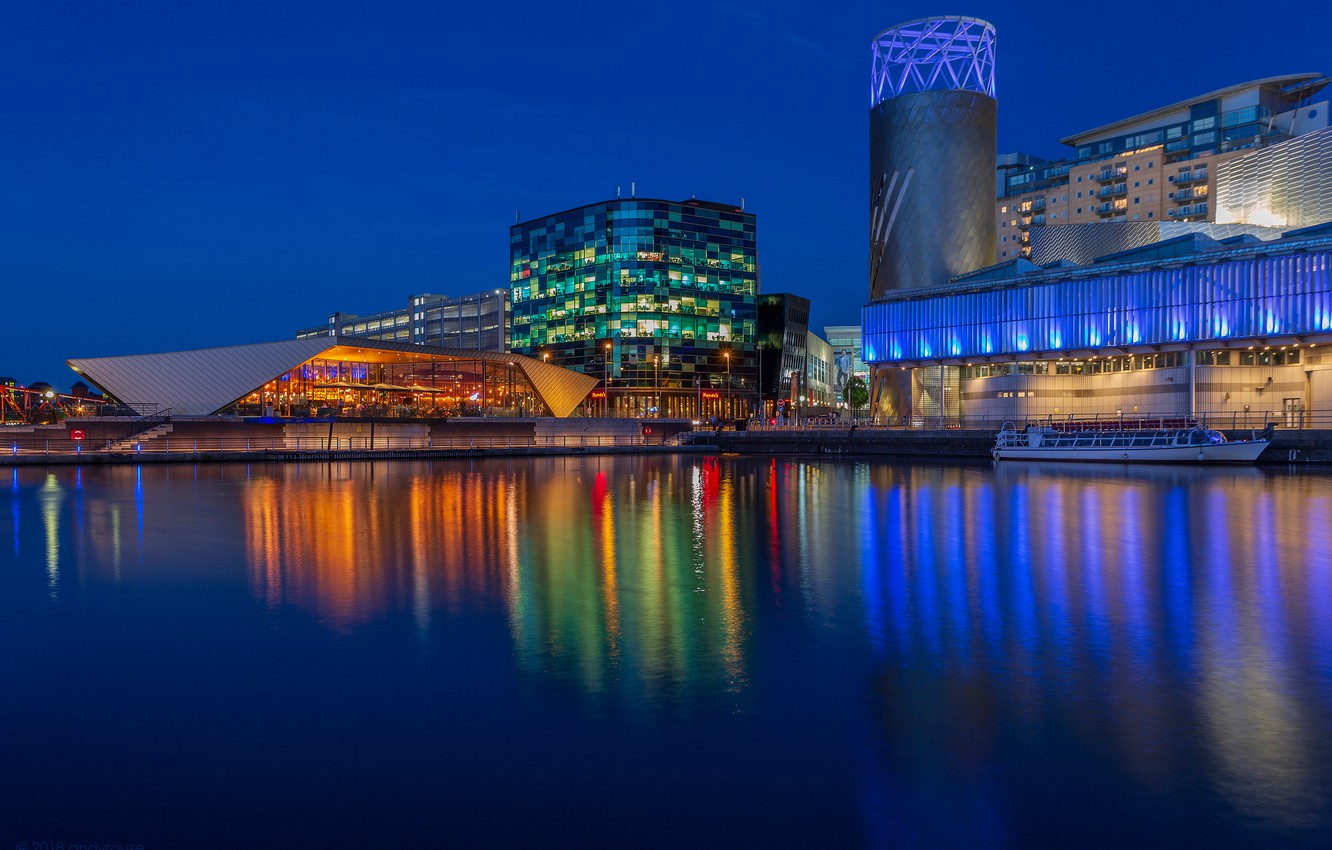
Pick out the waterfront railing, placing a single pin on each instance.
(27, 444)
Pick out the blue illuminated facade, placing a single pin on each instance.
(1216, 298)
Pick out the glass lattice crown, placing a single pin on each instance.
(933, 54)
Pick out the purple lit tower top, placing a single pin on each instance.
(933, 54)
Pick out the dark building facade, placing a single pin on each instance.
(656, 298)
(783, 343)
(932, 154)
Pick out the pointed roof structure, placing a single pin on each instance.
(209, 380)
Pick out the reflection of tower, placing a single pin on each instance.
(932, 149)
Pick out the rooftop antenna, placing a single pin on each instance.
(633, 189)
(517, 219)
(742, 205)
(617, 191)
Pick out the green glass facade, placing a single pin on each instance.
(656, 298)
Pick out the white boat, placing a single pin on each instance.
(1125, 441)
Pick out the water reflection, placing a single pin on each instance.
(1169, 626)
(1122, 607)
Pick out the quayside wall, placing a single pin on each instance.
(1294, 446)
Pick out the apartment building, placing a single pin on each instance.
(1160, 165)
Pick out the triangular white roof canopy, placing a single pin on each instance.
(208, 380)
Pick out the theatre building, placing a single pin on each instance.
(1238, 331)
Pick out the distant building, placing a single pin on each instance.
(478, 322)
(820, 372)
(653, 297)
(847, 361)
(1163, 165)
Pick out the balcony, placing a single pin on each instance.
(1198, 175)
(1112, 191)
(1105, 209)
(1037, 205)
(1190, 194)
(1037, 220)
(1107, 175)
(1193, 211)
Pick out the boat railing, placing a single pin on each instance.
(1100, 423)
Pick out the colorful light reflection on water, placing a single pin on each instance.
(650, 650)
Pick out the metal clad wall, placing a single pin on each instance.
(931, 192)
(1083, 243)
(1289, 184)
(931, 202)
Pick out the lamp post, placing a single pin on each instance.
(727, 355)
(608, 357)
(762, 411)
(656, 384)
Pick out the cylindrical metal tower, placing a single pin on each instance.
(932, 158)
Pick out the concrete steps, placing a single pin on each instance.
(145, 439)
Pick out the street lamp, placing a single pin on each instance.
(727, 355)
(608, 356)
(656, 383)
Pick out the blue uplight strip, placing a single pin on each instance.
(1246, 298)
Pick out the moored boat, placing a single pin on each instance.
(1125, 441)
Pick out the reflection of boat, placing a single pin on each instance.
(1125, 441)
(1165, 475)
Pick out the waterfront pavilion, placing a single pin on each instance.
(321, 376)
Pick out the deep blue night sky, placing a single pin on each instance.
(179, 175)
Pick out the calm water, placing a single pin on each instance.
(691, 651)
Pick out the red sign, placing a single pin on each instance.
(76, 434)
(708, 394)
(598, 393)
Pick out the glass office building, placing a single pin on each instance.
(655, 298)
